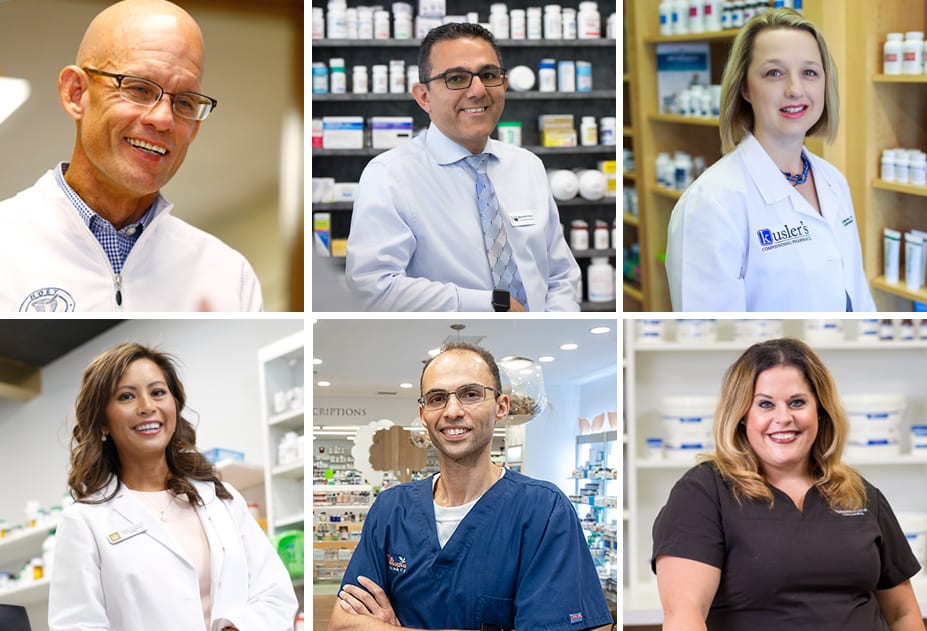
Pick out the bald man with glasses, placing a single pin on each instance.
(95, 234)
(453, 220)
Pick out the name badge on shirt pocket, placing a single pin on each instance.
(126, 533)
(521, 219)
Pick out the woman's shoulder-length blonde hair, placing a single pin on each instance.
(839, 484)
(736, 113)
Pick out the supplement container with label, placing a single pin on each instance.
(823, 331)
(601, 281)
(756, 330)
(351, 19)
(875, 421)
(397, 76)
(359, 80)
(566, 76)
(364, 23)
(687, 426)
(888, 165)
(381, 25)
(517, 24)
(319, 78)
(380, 79)
(666, 17)
(579, 235)
(583, 76)
(534, 21)
(553, 28)
(568, 23)
(588, 132)
(318, 23)
(337, 20)
(521, 78)
(650, 330)
(892, 54)
(607, 130)
(919, 441)
(339, 80)
(588, 21)
(600, 235)
(509, 132)
(868, 330)
(547, 76)
(696, 331)
(411, 77)
(654, 449)
(912, 51)
(499, 20)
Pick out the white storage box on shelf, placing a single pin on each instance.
(914, 526)
(687, 426)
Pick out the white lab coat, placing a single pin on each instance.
(118, 568)
(52, 262)
(742, 238)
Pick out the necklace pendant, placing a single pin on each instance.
(163, 517)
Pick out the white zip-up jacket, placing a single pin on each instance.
(51, 261)
(118, 568)
(742, 238)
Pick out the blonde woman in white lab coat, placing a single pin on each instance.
(155, 540)
(770, 226)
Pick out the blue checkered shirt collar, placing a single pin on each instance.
(116, 243)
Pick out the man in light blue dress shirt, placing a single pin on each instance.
(416, 242)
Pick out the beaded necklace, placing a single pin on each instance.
(798, 178)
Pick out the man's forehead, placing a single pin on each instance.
(455, 362)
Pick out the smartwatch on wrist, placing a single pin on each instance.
(501, 300)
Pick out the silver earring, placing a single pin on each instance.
(104, 438)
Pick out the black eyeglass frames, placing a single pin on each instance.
(145, 92)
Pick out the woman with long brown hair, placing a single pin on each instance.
(773, 531)
(155, 539)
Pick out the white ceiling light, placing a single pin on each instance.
(433, 352)
(569, 347)
(546, 358)
(599, 330)
(13, 93)
(405, 385)
(323, 384)
(316, 361)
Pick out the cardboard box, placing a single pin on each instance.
(390, 131)
(343, 132)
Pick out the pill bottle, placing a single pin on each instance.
(600, 235)
(579, 235)
(696, 16)
(521, 78)
(338, 79)
(397, 76)
(380, 79)
(917, 169)
(319, 78)
(680, 17)
(337, 20)
(318, 23)
(568, 23)
(553, 27)
(902, 175)
(588, 132)
(509, 132)
(533, 29)
(607, 130)
(350, 19)
(666, 17)
(411, 77)
(588, 21)
(888, 165)
(499, 20)
(364, 23)
(601, 280)
(381, 25)
(547, 76)
(402, 25)
(566, 76)
(912, 51)
(583, 76)
(892, 54)
(517, 24)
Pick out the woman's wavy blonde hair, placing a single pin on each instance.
(94, 462)
(839, 484)
(736, 113)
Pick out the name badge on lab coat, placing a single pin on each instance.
(520, 219)
(126, 533)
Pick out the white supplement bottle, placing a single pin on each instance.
(534, 30)
(364, 23)
(337, 77)
(912, 51)
(547, 76)
(680, 17)
(318, 23)
(607, 130)
(588, 21)
(397, 76)
(499, 20)
(553, 28)
(517, 24)
(696, 16)
(381, 25)
(901, 166)
(917, 169)
(666, 17)
(888, 165)
(568, 23)
(337, 19)
(402, 25)
(380, 79)
(359, 80)
(600, 235)
(588, 132)
(601, 280)
(892, 54)
(566, 76)
(350, 16)
(579, 235)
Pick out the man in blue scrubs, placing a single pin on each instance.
(475, 547)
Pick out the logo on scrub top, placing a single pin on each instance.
(47, 300)
(788, 235)
(396, 563)
(576, 617)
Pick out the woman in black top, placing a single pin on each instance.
(773, 531)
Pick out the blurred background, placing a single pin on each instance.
(242, 179)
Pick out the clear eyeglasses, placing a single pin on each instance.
(459, 79)
(468, 394)
(146, 92)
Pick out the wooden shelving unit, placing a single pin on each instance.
(877, 112)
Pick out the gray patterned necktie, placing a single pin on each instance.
(498, 250)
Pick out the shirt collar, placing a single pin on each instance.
(446, 151)
(91, 219)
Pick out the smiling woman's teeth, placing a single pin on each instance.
(147, 427)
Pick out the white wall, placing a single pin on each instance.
(218, 367)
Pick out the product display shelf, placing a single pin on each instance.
(657, 369)
(900, 289)
(684, 120)
(25, 595)
(632, 297)
(907, 189)
(281, 372)
(346, 165)
(15, 551)
(331, 556)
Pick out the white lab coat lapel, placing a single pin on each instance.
(127, 506)
(772, 187)
(219, 529)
